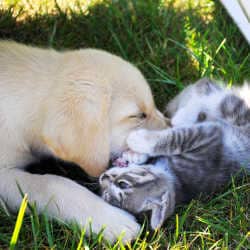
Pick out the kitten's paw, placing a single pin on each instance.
(134, 157)
(142, 141)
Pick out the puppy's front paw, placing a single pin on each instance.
(121, 225)
(142, 141)
(134, 157)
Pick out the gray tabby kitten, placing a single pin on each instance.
(210, 141)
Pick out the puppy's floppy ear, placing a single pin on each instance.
(160, 209)
(206, 86)
(76, 129)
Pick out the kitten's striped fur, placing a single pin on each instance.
(210, 142)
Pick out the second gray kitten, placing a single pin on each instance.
(209, 143)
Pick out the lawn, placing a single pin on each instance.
(173, 42)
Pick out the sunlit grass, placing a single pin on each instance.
(31, 8)
(19, 222)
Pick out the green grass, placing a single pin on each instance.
(173, 43)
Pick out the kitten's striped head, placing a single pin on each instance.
(208, 101)
(138, 189)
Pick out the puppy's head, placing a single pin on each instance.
(132, 107)
(97, 101)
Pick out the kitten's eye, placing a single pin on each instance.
(123, 184)
(202, 117)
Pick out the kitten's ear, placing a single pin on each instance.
(206, 86)
(160, 208)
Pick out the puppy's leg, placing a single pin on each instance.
(65, 200)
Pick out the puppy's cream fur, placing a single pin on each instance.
(78, 106)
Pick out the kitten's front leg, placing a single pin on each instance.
(143, 141)
(174, 141)
(134, 157)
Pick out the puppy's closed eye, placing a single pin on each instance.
(140, 116)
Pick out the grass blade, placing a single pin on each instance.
(19, 222)
(48, 231)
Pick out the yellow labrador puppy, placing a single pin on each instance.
(78, 106)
